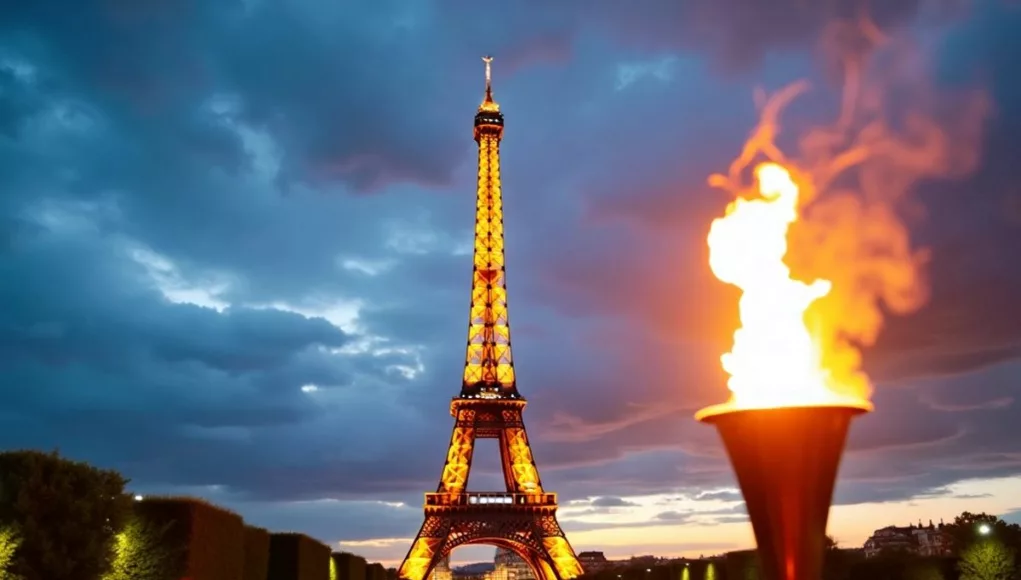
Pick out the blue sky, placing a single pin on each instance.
(235, 236)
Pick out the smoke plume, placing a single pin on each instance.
(858, 178)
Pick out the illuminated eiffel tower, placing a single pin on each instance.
(522, 518)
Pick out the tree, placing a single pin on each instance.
(836, 562)
(966, 530)
(67, 514)
(987, 559)
(9, 542)
(830, 544)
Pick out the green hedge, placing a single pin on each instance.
(298, 557)
(375, 572)
(144, 550)
(210, 539)
(903, 566)
(256, 553)
(349, 566)
(742, 565)
(702, 569)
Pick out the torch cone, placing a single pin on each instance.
(786, 461)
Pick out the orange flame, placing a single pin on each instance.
(775, 361)
(817, 247)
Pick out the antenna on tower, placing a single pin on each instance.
(489, 71)
(489, 77)
(488, 104)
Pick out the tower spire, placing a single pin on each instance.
(489, 367)
(488, 104)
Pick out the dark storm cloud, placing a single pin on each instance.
(674, 517)
(290, 67)
(725, 495)
(94, 354)
(224, 137)
(736, 33)
(610, 501)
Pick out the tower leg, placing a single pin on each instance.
(454, 478)
(560, 554)
(427, 549)
(519, 471)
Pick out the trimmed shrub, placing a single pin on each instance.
(375, 572)
(209, 540)
(634, 573)
(256, 553)
(349, 566)
(142, 552)
(742, 565)
(298, 557)
(66, 512)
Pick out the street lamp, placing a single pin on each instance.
(984, 529)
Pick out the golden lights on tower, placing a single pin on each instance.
(489, 366)
(522, 517)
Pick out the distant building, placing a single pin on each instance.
(441, 571)
(593, 561)
(509, 566)
(931, 540)
(636, 561)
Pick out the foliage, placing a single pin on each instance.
(9, 542)
(741, 565)
(988, 559)
(964, 531)
(142, 552)
(209, 540)
(256, 553)
(348, 566)
(298, 556)
(375, 572)
(67, 514)
(923, 569)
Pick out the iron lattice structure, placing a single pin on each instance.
(523, 517)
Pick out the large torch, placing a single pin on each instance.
(786, 422)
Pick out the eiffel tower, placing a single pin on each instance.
(521, 518)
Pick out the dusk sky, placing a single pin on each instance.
(235, 244)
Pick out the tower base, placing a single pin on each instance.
(523, 523)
